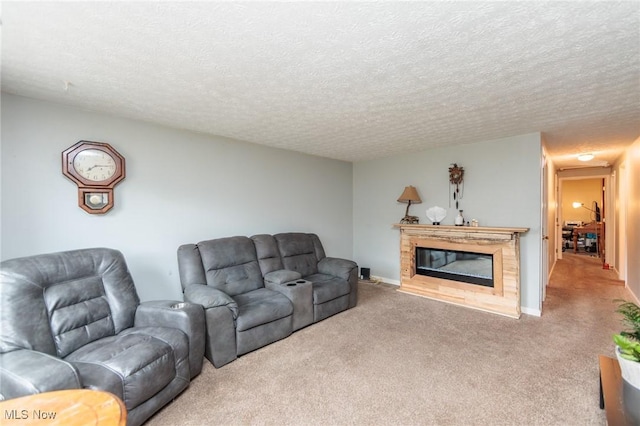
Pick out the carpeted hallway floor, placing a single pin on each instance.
(398, 359)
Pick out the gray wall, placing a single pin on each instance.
(180, 187)
(502, 188)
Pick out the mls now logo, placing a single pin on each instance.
(24, 414)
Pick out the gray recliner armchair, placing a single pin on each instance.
(74, 320)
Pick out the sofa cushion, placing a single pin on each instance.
(103, 302)
(132, 366)
(79, 313)
(267, 252)
(231, 264)
(173, 337)
(327, 287)
(298, 253)
(260, 307)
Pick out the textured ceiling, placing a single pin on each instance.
(346, 80)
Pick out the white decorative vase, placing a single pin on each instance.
(630, 370)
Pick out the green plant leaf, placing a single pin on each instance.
(629, 349)
(631, 317)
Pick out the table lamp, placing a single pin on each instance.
(409, 195)
(578, 204)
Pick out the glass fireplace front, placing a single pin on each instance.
(461, 266)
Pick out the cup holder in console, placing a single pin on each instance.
(296, 282)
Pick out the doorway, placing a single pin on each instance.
(584, 267)
(584, 203)
(582, 213)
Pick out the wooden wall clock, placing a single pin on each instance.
(96, 168)
(456, 177)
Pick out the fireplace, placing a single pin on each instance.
(476, 267)
(456, 265)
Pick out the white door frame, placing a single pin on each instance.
(544, 219)
(621, 200)
(577, 174)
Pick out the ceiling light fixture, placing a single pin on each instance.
(587, 156)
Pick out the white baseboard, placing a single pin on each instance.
(633, 296)
(530, 311)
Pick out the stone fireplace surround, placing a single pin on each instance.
(503, 243)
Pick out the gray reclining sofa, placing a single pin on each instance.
(73, 320)
(258, 290)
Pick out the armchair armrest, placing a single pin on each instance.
(185, 316)
(220, 312)
(210, 297)
(337, 267)
(282, 276)
(345, 269)
(26, 372)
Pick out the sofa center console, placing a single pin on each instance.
(300, 292)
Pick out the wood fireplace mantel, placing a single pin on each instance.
(504, 245)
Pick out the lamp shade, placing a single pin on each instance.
(409, 195)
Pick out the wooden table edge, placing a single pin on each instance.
(611, 391)
(71, 407)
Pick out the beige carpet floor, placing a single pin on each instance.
(398, 359)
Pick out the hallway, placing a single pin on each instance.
(580, 271)
(580, 317)
(579, 283)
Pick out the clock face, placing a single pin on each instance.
(456, 174)
(94, 165)
(96, 168)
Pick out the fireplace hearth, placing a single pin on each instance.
(476, 267)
